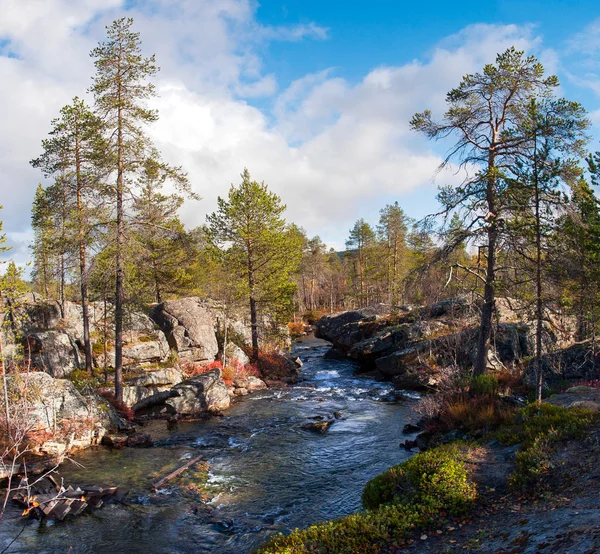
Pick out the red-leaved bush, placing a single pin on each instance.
(273, 365)
(120, 407)
(233, 370)
(191, 369)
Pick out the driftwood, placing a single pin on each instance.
(60, 502)
(175, 473)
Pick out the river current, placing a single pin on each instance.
(266, 473)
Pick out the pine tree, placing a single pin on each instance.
(361, 242)
(165, 251)
(258, 248)
(555, 129)
(74, 152)
(121, 89)
(484, 113)
(44, 269)
(392, 230)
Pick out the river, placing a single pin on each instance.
(266, 474)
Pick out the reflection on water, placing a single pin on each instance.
(266, 473)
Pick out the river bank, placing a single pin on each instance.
(266, 473)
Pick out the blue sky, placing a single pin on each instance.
(313, 97)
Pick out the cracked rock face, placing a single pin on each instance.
(189, 327)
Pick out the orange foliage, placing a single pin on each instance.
(120, 407)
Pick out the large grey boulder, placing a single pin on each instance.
(333, 326)
(144, 343)
(54, 352)
(63, 418)
(158, 378)
(189, 327)
(580, 361)
(234, 352)
(133, 394)
(204, 393)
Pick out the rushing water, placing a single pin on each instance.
(266, 475)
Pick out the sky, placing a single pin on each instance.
(313, 97)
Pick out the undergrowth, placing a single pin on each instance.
(539, 430)
(405, 497)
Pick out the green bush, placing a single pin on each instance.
(532, 422)
(401, 499)
(485, 385)
(539, 429)
(436, 478)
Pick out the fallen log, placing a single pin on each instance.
(175, 473)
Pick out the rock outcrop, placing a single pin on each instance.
(60, 418)
(189, 327)
(577, 362)
(411, 346)
(203, 393)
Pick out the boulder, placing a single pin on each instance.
(143, 343)
(133, 395)
(333, 326)
(577, 362)
(139, 440)
(234, 352)
(576, 397)
(254, 384)
(54, 352)
(189, 327)
(158, 378)
(399, 362)
(319, 426)
(452, 307)
(204, 393)
(60, 414)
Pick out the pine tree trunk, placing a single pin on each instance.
(487, 311)
(538, 284)
(5, 385)
(119, 259)
(253, 314)
(83, 273)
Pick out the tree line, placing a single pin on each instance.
(524, 223)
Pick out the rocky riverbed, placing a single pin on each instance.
(267, 472)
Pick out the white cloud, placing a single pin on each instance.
(295, 33)
(329, 148)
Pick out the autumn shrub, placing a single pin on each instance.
(477, 414)
(236, 370)
(399, 501)
(272, 365)
(120, 407)
(192, 369)
(296, 329)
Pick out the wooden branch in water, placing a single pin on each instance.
(177, 472)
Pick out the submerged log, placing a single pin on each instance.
(175, 473)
